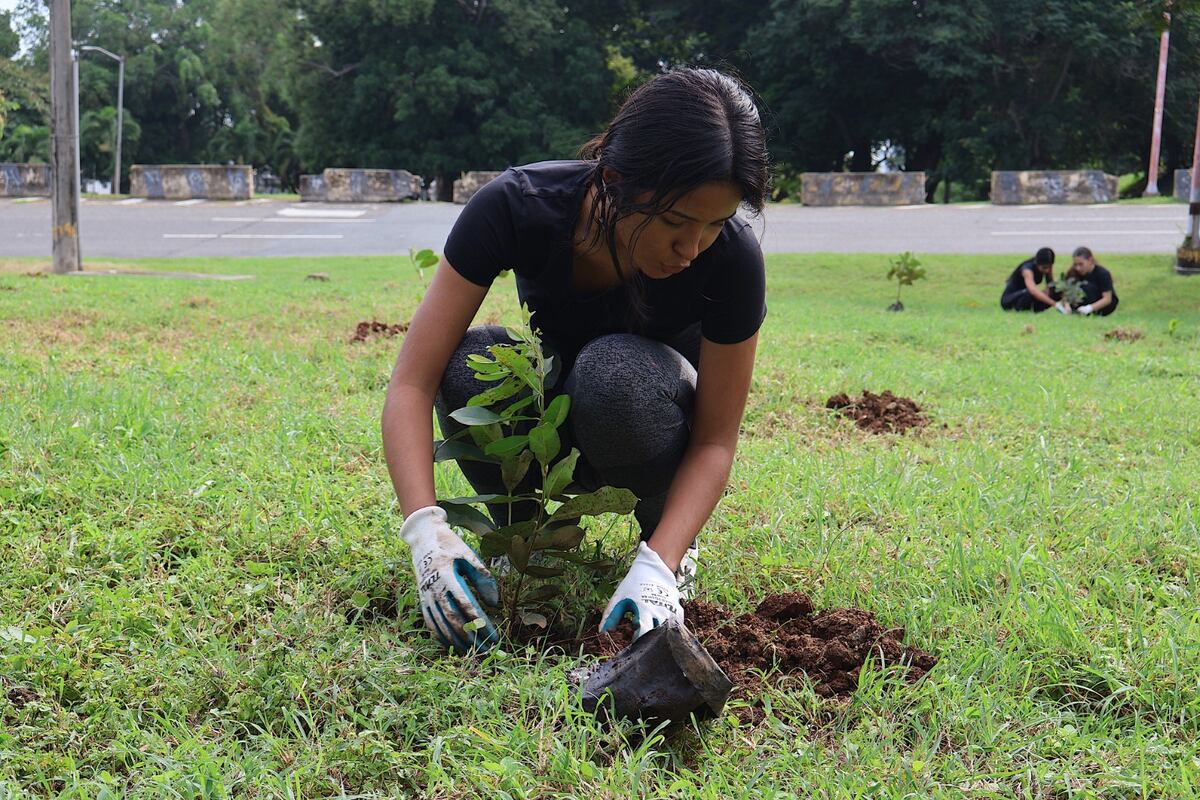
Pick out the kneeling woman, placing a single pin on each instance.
(641, 277)
(1099, 296)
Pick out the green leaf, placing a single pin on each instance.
(567, 537)
(519, 365)
(512, 470)
(483, 435)
(518, 552)
(601, 501)
(561, 473)
(538, 571)
(474, 415)
(460, 451)
(464, 516)
(511, 411)
(497, 393)
(475, 358)
(544, 441)
(523, 529)
(507, 447)
(556, 412)
(541, 593)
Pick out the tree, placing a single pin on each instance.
(442, 87)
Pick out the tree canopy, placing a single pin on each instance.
(441, 86)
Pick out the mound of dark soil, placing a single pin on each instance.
(1124, 335)
(365, 330)
(782, 637)
(879, 413)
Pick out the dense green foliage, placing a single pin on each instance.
(202, 593)
(955, 89)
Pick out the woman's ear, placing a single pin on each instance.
(610, 175)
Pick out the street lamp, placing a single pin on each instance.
(116, 184)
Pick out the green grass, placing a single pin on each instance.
(198, 549)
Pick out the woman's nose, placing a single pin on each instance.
(688, 248)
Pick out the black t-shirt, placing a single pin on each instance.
(1096, 283)
(1016, 281)
(524, 220)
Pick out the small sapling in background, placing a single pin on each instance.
(515, 424)
(421, 261)
(905, 269)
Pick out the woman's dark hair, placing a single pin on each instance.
(1044, 256)
(672, 135)
(1082, 252)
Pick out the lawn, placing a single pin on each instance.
(202, 593)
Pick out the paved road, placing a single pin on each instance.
(265, 227)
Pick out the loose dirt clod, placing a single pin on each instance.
(782, 637)
(317, 276)
(879, 413)
(20, 696)
(1124, 334)
(366, 329)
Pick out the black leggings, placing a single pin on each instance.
(631, 406)
(1022, 300)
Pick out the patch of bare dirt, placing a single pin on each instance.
(1124, 335)
(782, 638)
(879, 413)
(365, 330)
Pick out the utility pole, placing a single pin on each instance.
(1159, 91)
(64, 142)
(1187, 261)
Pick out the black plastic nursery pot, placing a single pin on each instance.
(664, 675)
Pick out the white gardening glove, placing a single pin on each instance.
(1062, 307)
(1085, 310)
(648, 593)
(447, 570)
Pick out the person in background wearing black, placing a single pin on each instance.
(1022, 293)
(1099, 297)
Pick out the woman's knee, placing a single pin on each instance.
(631, 399)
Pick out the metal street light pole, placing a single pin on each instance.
(116, 184)
(1159, 91)
(64, 143)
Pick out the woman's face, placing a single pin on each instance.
(670, 241)
(1083, 265)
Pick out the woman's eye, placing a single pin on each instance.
(671, 224)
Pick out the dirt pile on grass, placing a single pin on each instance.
(879, 413)
(783, 637)
(365, 330)
(1124, 335)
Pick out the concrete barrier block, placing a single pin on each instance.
(1183, 185)
(862, 188)
(24, 180)
(312, 189)
(191, 181)
(470, 183)
(367, 185)
(1053, 186)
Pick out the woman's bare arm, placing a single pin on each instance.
(722, 386)
(1034, 290)
(433, 335)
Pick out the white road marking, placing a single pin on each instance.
(1083, 233)
(252, 236)
(29, 199)
(289, 219)
(973, 206)
(132, 201)
(282, 236)
(260, 200)
(195, 201)
(1092, 220)
(340, 213)
(911, 208)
